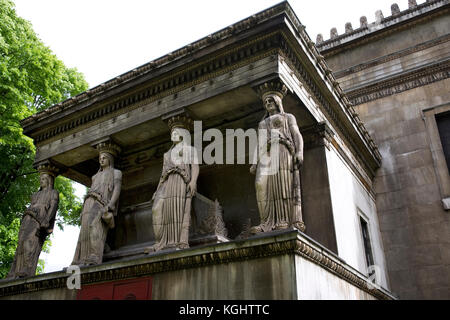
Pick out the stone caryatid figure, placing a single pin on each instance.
(37, 223)
(277, 170)
(178, 183)
(99, 208)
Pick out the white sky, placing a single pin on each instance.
(105, 38)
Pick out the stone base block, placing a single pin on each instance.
(277, 265)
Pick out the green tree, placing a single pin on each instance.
(32, 79)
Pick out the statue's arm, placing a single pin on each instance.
(116, 192)
(297, 137)
(194, 175)
(157, 188)
(161, 180)
(31, 208)
(51, 213)
(261, 126)
(195, 170)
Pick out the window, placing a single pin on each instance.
(437, 122)
(367, 246)
(443, 124)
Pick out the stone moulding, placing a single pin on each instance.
(392, 56)
(160, 88)
(232, 59)
(388, 25)
(272, 44)
(93, 94)
(400, 83)
(220, 35)
(317, 135)
(172, 81)
(289, 242)
(292, 59)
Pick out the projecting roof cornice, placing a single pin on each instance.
(192, 50)
(276, 30)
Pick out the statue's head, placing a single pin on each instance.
(179, 134)
(179, 126)
(273, 103)
(106, 160)
(107, 151)
(45, 181)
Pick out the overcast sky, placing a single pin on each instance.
(105, 38)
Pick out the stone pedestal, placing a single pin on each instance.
(135, 229)
(276, 265)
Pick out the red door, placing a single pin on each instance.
(134, 289)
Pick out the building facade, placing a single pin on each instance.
(395, 71)
(373, 188)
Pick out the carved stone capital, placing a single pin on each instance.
(275, 86)
(48, 167)
(109, 146)
(317, 135)
(179, 119)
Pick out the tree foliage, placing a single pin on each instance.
(32, 79)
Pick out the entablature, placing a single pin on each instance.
(219, 71)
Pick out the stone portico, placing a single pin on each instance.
(216, 81)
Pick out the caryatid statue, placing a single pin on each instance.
(37, 223)
(277, 169)
(99, 208)
(177, 186)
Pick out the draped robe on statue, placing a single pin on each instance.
(38, 219)
(278, 184)
(94, 230)
(172, 201)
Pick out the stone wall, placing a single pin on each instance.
(350, 203)
(395, 76)
(217, 80)
(282, 265)
(413, 223)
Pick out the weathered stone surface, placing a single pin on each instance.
(363, 22)
(100, 208)
(348, 27)
(214, 79)
(172, 200)
(333, 33)
(395, 9)
(391, 200)
(422, 214)
(387, 183)
(392, 220)
(436, 293)
(428, 254)
(318, 214)
(277, 182)
(412, 4)
(378, 16)
(432, 276)
(277, 263)
(387, 70)
(399, 237)
(319, 38)
(432, 233)
(37, 224)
